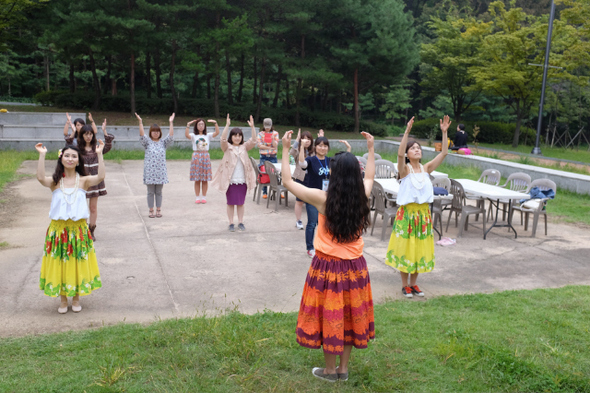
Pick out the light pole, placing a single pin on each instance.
(537, 149)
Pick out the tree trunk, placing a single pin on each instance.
(208, 61)
(148, 74)
(255, 80)
(357, 119)
(217, 78)
(241, 78)
(287, 93)
(132, 83)
(195, 85)
(46, 61)
(299, 85)
(172, 67)
(158, 73)
(107, 79)
(95, 83)
(72, 79)
(260, 89)
(279, 77)
(230, 98)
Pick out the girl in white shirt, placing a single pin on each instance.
(200, 171)
(411, 246)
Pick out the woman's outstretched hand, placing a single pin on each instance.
(228, 121)
(171, 119)
(138, 118)
(99, 147)
(40, 148)
(370, 139)
(409, 126)
(250, 121)
(287, 139)
(445, 123)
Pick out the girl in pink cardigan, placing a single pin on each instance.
(235, 176)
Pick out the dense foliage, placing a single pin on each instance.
(338, 64)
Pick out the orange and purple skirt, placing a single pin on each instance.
(336, 306)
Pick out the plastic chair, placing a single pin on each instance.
(275, 188)
(381, 208)
(384, 169)
(377, 156)
(518, 181)
(489, 176)
(258, 188)
(362, 160)
(458, 206)
(544, 185)
(439, 205)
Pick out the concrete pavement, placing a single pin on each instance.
(187, 263)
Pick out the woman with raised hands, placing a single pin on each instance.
(155, 174)
(76, 125)
(200, 170)
(336, 310)
(411, 246)
(69, 267)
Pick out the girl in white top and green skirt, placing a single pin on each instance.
(411, 246)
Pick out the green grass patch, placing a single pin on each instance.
(581, 155)
(507, 341)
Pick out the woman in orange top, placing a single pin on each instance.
(336, 310)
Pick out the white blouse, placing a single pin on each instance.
(62, 210)
(415, 188)
(239, 175)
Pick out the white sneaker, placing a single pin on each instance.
(299, 224)
(311, 253)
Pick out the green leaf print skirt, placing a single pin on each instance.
(411, 246)
(69, 264)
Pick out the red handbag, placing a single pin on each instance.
(263, 176)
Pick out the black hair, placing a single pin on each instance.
(155, 127)
(235, 131)
(59, 169)
(310, 137)
(196, 131)
(79, 120)
(82, 143)
(322, 139)
(347, 205)
(411, 142)
(462, 127)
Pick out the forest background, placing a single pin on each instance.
(335, 64)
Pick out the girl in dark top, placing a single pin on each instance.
(318, 176)
(460, 141)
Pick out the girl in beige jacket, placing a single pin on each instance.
(235, 176)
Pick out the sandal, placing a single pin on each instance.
(151, 213)
(158, 213)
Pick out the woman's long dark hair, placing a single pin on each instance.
(59, 169)
(234, 132)
(82, 142)
(347, 205)
(196, 130)
(307, 134)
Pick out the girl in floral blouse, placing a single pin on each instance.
(154, 164)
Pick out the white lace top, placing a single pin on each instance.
(62, 210)
(415, 188)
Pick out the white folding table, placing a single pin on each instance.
(494, 194)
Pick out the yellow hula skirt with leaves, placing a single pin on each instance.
(411, 246)
(69, 266)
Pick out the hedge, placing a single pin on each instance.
(490, 132)
(205, 108)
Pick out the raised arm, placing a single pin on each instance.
(141, 131)
(348, 148)
(92, 122)
(171, 120)
(104, 128)
(186, 130)
(223, 140)
(370, 167)
(46, 181)
(310, 195)
(93, 180)
(401, 158)
(254, 138)
(445, 123)
(216, 127)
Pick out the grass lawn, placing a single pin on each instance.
(582, 155)
(502, 342)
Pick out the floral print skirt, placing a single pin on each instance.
(201, 166)
(411, 246)
(69, 264)
(336, 305)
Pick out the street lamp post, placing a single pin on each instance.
(537, 149)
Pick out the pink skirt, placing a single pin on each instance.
(236, 194)
(201, 166)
